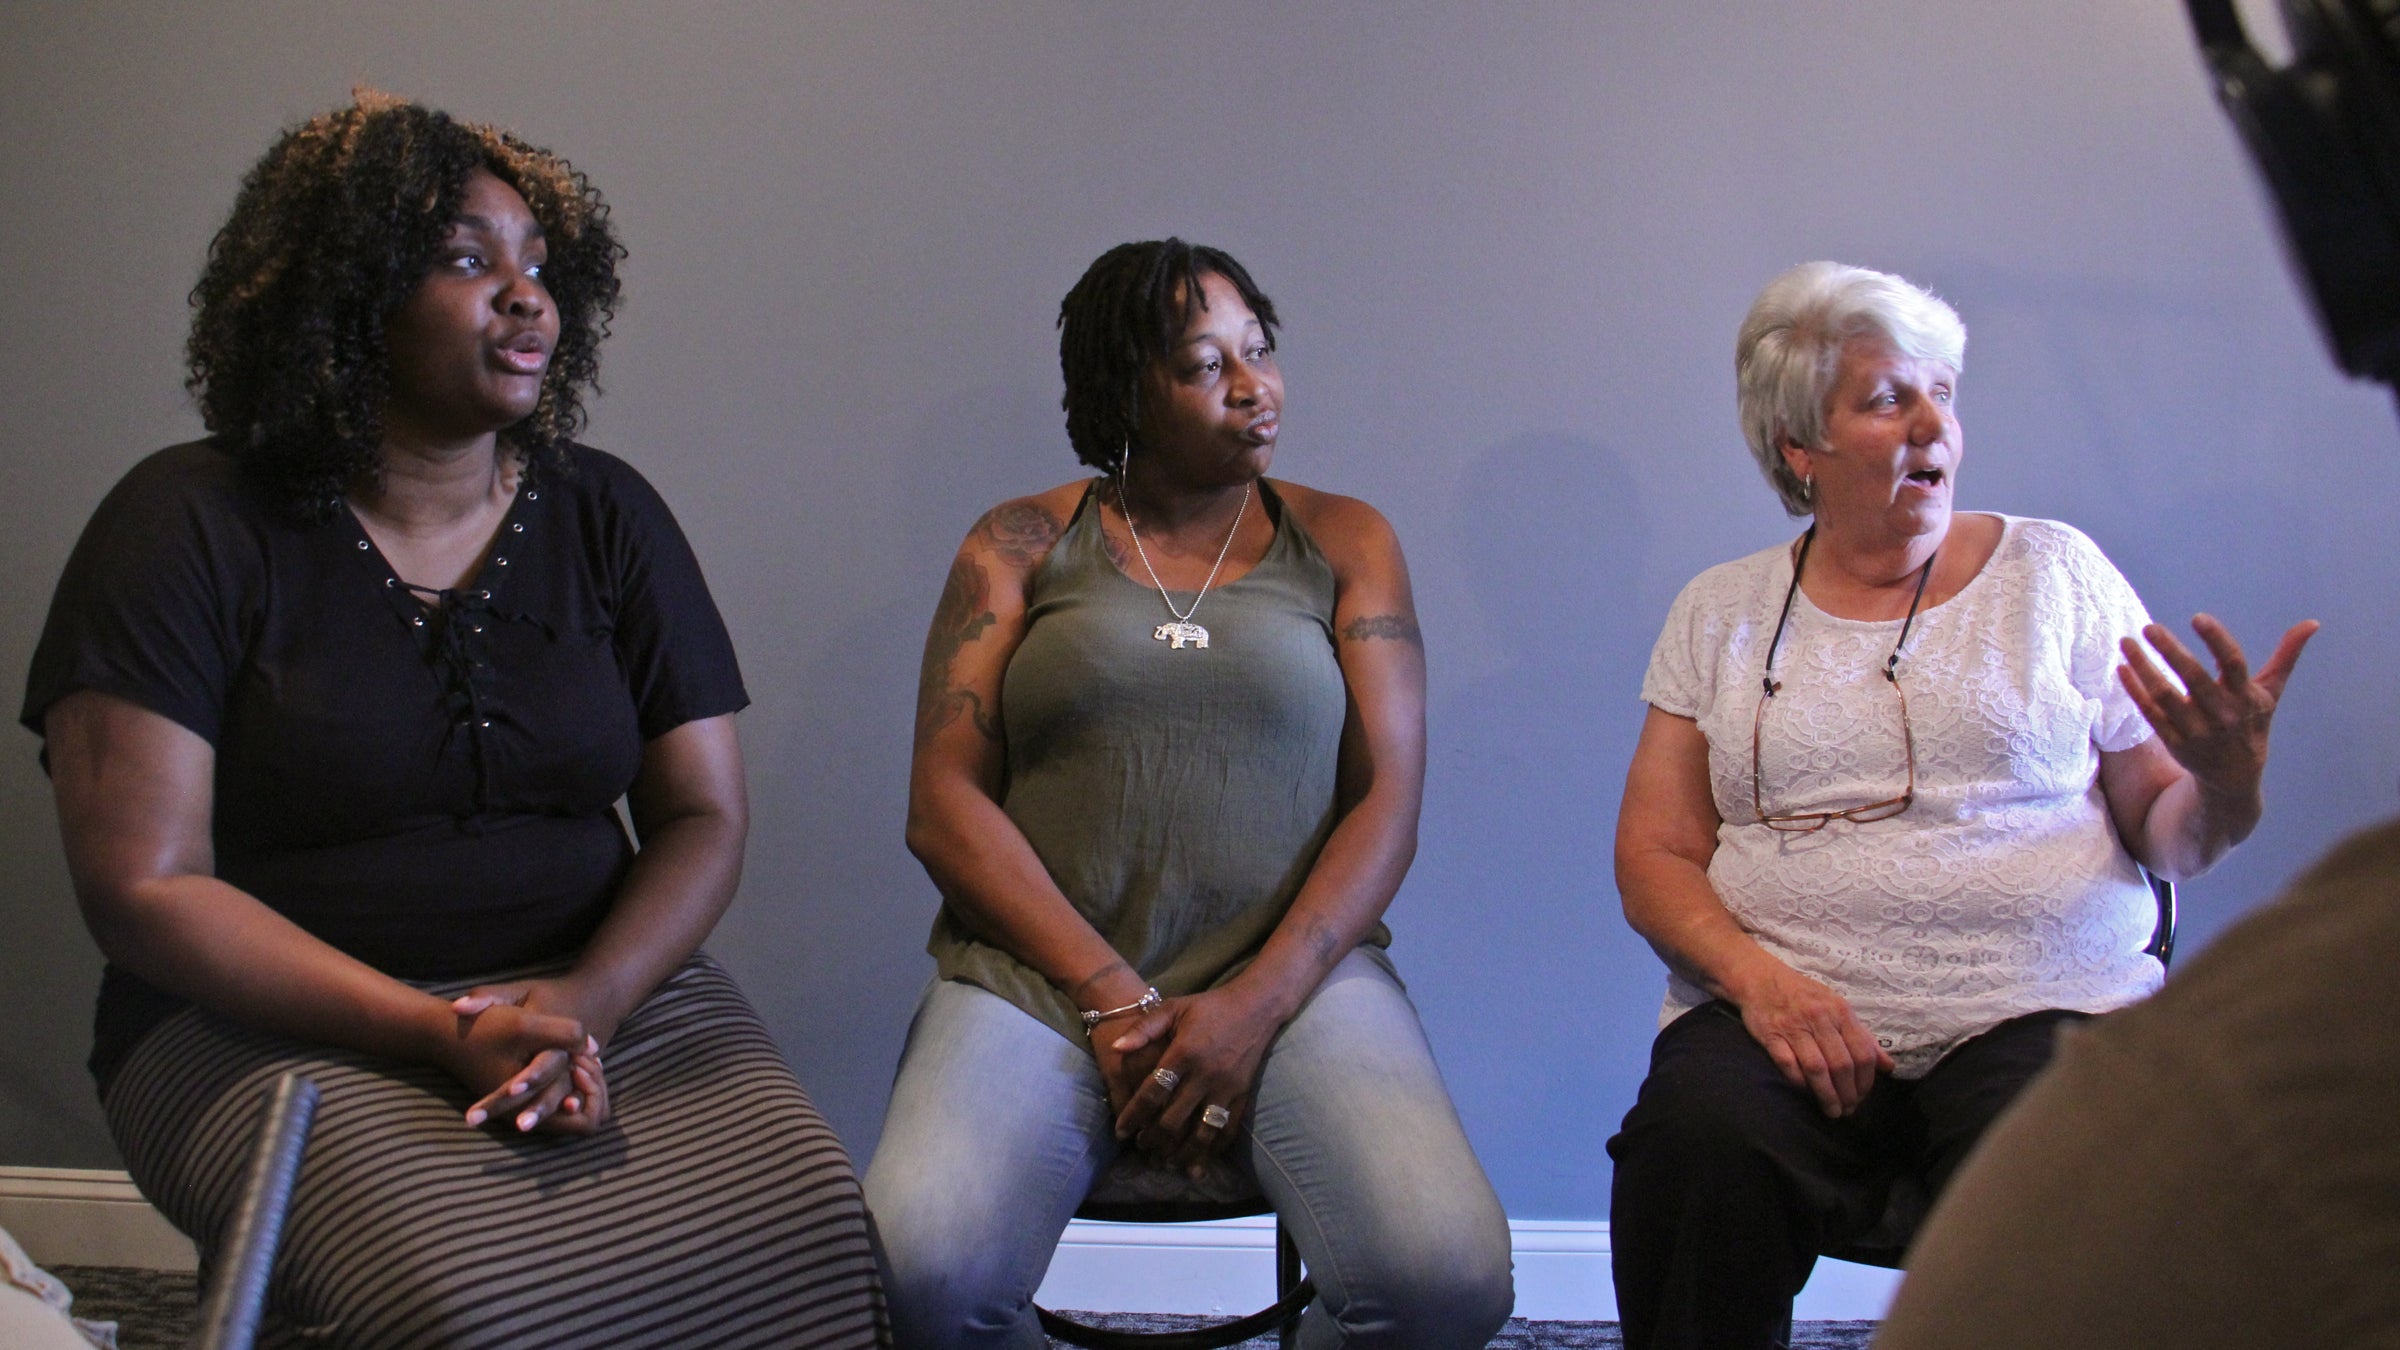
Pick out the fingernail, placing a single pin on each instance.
(527, 1121)
(476, 1116)
(571, 1105)
(591, 1044)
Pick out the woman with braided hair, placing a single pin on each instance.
(338, 703)
(1170, 747)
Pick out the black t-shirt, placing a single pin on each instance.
(425, 782)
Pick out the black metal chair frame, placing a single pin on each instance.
(1293, 1288)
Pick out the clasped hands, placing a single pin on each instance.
(526, 1049)
(1210, 1046)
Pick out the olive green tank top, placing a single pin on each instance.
(1177, 797)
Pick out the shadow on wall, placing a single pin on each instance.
(1543, 1005)
(49, 979)
(829, 936)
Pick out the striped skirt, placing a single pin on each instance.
(716, 1209)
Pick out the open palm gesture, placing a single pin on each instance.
(2215, 726)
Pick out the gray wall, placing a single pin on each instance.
(1512, 242)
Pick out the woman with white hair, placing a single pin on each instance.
(1884, 820)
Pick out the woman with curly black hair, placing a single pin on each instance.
(338, 703)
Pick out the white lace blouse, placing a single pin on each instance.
(2003, 889)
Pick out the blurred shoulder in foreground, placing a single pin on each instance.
(2218, 1166)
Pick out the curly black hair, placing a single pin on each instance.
(1128, 310)
(332, 231)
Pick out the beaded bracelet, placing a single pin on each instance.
(1150, 999)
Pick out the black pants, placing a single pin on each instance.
(1730, 1181)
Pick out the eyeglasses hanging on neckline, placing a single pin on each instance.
(1804, 822)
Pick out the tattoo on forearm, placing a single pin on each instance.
(1020, 532)
(1075, 990)
(1325, 944)
(1398, 627)
(964, 612)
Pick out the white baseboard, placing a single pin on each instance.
(1228, 1267)
(75, 1217)
(69, 1216)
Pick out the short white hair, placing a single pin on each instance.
(1790, 352)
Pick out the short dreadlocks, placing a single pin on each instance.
(1129, 310)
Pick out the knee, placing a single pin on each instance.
(941, 1293)
(1429, 1294)
(955, 1271)
(1693, 1132)
(1465, 1303)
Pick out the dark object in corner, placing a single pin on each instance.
(2325, 131)
(238, 1290)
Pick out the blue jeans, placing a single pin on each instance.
(998, 1125)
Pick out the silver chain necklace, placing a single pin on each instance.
(1182, 632)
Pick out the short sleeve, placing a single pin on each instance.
(678, 659)
(150, 608)
(1691, 647)
(2105, 610)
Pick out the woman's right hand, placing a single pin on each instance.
(1666, 837)
(136, 797)
(991, 879)
(1123, 1071)
(1217, 1041)
(533, 1070)
(1813, 1037)
(585, 1107)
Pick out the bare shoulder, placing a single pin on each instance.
(1371, 577)
(1350, 533)
(1019, 532)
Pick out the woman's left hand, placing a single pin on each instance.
(1214, 1043)
(2216, 727)
(584, 1108)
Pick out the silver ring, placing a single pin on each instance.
(1166, 1078)
(1216, 1117)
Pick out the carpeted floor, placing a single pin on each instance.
(1520, 1334)
(155, 1310)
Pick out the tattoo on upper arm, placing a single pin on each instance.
(1020, 532)
(964, 612)
(1398, 627)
